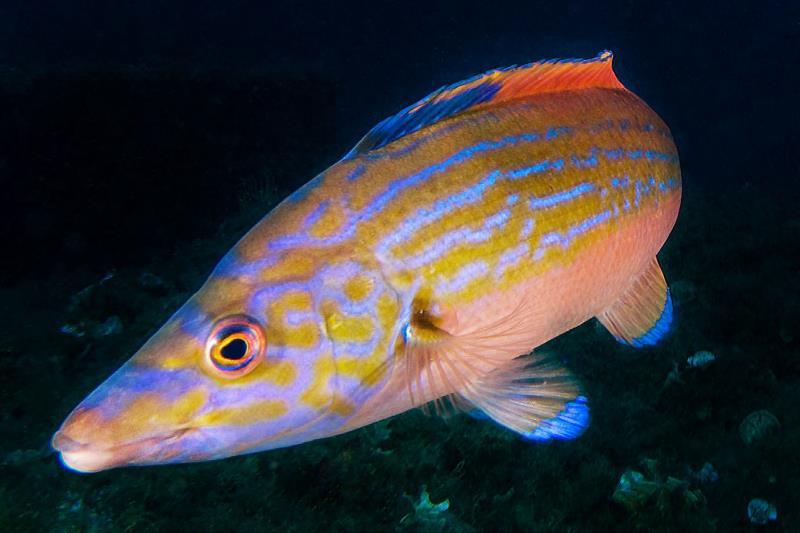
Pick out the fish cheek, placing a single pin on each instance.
(279, 372)
(170, 349)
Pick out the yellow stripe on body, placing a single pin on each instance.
(243, 415)
(370, 370)
(343, 329)
(557, 218)
(356, 222)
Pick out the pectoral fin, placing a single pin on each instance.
(534, 396)
(531, 395)
(643, 314)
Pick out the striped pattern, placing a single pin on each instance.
(468, 207)
(494, 186)
(550, 184)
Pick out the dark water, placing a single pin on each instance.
(141, 140)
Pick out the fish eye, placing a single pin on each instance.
(235, 346)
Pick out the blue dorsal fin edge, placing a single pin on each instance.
(438, 105)
(419, 115)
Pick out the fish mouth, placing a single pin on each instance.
(86, 457)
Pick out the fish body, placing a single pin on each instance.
(456, 237)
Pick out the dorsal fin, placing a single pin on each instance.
(492, 88)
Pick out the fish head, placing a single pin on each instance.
(244, 366)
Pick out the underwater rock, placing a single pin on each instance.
(23, 457)
(379, 436)
(707, 474)
(82, 297)
(758, 425)
(426, 513)
(111, 326)
(85, 309)
(95, 330)
(650, 467)
(704, 412)
(701, 359)
(151, 282)
(673, 377)
(633, 490)
(761, 512)
(636, 489)
(73, 330)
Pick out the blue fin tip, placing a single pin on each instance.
(659, 329)
(568, 424)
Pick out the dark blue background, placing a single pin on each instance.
(131, 126)
(146, 136)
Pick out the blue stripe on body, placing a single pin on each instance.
(470, 195)
(303, 192)
(555, 199)
(192, 320)
(463, 277)
(588, 224)
(400, 185)
(232, 265)
(314, 216)
(459, 236)
(586, 162)
(565, 239)
(356, 172)
(538, 168)
(527, 229)
(510, 258)
(397, 186)
(615, 154)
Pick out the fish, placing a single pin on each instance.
(423, 269)
(701, 359)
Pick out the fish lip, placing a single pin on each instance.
(87, 457)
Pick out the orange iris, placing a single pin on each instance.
(235, 346)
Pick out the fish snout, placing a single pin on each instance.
(84, 443)
(90, 441)
(83, 425)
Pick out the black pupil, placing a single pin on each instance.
(234, 350)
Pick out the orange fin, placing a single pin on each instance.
(530, 395)
(490, 89)
(643, 314)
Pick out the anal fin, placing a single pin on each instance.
(643, 314)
